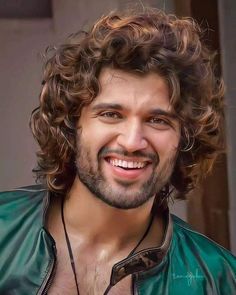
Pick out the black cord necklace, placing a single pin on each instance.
(72, 262)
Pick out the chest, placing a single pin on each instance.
(93, 279)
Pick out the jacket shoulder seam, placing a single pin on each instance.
(24, 189)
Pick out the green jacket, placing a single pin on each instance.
(186, 263)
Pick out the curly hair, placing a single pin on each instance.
(137, 42)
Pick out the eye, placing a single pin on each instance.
(110, 116)
(158, 122)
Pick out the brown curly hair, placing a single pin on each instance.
(138, 42)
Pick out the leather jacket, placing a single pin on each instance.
(186, 263)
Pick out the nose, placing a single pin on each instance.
(132, 137)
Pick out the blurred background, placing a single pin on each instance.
(28, 27)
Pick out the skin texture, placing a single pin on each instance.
(108, 208)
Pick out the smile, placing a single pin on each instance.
(127, 164)
(128, 169)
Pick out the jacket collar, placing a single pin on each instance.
(146, 259)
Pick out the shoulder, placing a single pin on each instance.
(21, 203)
(22, 194)
(196, 241)
(21, 213)
(203, 256)
(190, 236)
(26, 247)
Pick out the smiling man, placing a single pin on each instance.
(129, 139)
(130, 114)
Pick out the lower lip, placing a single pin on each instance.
(127, 174)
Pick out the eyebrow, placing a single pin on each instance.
(116, 106)
(156, 112)
(101, 106)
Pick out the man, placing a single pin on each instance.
(129, 114)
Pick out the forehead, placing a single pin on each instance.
(133, 90)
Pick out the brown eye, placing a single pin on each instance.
(157, 120)
(159, 123)
(112, 115)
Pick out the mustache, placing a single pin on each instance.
(153, 157)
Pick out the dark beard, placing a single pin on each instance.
(93, 178)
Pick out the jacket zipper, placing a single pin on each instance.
(49, 277)
(52, 271)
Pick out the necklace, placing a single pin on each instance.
(72, 261)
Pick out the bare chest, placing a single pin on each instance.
(93, 279)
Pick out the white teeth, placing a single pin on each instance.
(131, 164)
(126, 164)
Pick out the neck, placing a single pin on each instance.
(97, 222)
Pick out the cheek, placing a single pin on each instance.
(94, 137)
(166, 143)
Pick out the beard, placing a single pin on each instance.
(122, 194)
